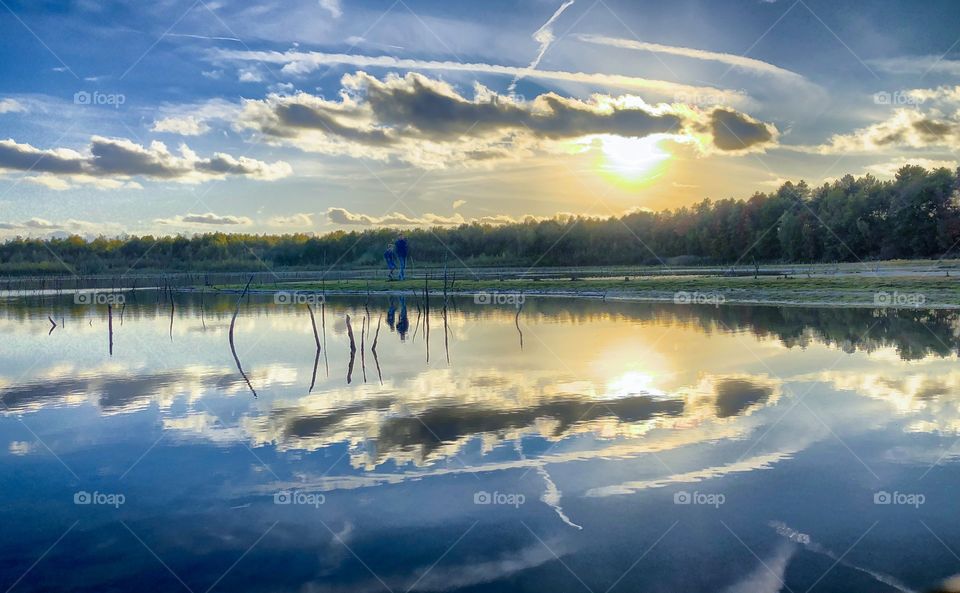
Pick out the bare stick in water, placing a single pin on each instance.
(316, 338)
(53, 325)
(233, 349)
(516, 320)
(110, 326)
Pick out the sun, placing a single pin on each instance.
(632, 160)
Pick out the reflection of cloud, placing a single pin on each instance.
(769, 576)
(930, 400)
(450, 577)
(747, 465)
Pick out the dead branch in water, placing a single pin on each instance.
(316, 338)
(53, 325)
(516, 321)
(110, 326)
(373, 350)
(363, 358)
(233, 349)
(353, 351)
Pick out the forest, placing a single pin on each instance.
(914, 215)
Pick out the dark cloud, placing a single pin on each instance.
(391, 117)
(735, 131)
(119, 157)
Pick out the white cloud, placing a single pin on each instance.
(300, 219)
(333, 7)
(343, 217)
(11, 106)
(302, 63)
(890, 168)
(205, 219)
(738, 62)
(458, 203)
(906, 128)
(185, 126)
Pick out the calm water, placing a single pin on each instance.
(582, 446)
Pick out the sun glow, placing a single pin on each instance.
(634, 160)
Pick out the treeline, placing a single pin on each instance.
(915, 215)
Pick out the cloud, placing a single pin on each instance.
(185, 126)
(301, 219)
(42, 226)
(890, 168)
(733, 131)
(300, 63)
(56, 183)
(344, 217)
(921, 65)
(114, 161)
(906, 128)
(544, 36)
(458, 203)
(739, 62)
(333, 7)
(429, 123)
(11, 106)
(206, 219)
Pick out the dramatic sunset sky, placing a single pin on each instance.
(185, 116)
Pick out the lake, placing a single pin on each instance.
(565, 445)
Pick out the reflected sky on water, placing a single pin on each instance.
(578, 446)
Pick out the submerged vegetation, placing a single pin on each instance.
(915, 215)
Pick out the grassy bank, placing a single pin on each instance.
(841, 289)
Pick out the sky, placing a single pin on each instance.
(189, 116)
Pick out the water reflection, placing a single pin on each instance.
(596, 414)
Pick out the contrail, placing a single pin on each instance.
(543, 36)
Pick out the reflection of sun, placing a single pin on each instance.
(633, 160)
(632, 383)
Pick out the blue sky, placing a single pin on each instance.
(313, 115)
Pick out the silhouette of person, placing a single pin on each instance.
(391, 314)
(390, 256)
(400, 247)
(403, 324)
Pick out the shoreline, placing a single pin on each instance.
(836, 300)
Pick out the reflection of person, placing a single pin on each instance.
(400, 247)
(391, 313)
(403, 324)
(391, 258)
